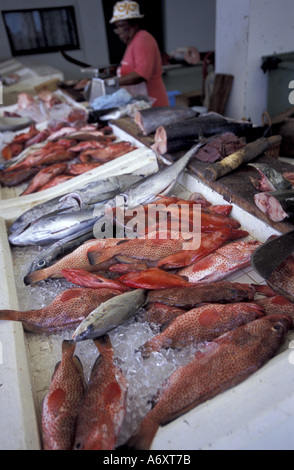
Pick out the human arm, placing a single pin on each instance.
(132, 78)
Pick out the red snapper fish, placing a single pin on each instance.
(210, 242)
(157, 313)
(152, 279)
(214, 292)
(103, 407)
(225, 363)
(61, 404)
(92, 280)
(78, 259)
(65, 312)
(226, 260)
(43, 176)
(277, 304)
(202, 324)
(130, 250)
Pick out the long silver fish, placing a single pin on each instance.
(110, 315)
(161, 183)
(82, 199)
(53, 227)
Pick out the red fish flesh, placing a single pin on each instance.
(61, 404)
(202, 324)
(65, 312)
(221, 263)
(226, 362)
(215, 292)
(277, 205)
(103, 407)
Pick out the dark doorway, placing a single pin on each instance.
(152, 22)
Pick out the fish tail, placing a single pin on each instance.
(265, 290)
(11, 315)
(143, 438)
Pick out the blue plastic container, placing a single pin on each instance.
(172, 97)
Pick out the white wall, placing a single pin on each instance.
(247, 30)
(188, 22)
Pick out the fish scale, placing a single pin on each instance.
(225, 363)
(221, 263)
(61, 404)
(65, 312)
(103, 407)
(202, 324)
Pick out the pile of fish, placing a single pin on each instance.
(67, 147)
(182, 293)
(62, 155)
(178, 128)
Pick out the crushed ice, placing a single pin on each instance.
(145, 376)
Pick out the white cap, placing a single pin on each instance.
(126, 10)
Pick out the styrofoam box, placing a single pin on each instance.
(257, 414)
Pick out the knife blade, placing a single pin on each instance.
(272, 253)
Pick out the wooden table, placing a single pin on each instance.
(235, 187)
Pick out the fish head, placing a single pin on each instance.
(98, 437)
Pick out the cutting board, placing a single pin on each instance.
(237, 188)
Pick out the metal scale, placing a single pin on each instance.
(102, 83)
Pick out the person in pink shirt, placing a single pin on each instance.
(140, 71)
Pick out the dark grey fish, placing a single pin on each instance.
(270, 179)
(61, 248)
(148, 120)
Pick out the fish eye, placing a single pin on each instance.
(41, 263)
(78, 446)
(276, 328)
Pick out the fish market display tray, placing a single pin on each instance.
(140, 161)
(257, 414)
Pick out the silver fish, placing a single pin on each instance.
(62, 247)
(161, 183)
(83, 199)
(110, 315)
(53, 227)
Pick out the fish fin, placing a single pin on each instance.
(103, 344)
(265, 290)
(112, 392)
(56, 400)
(126, 259)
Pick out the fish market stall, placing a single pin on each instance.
(255, 414)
